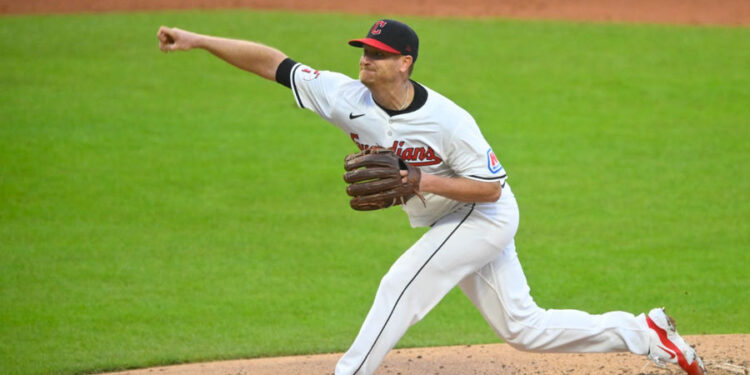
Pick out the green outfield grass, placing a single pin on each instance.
(157, 209)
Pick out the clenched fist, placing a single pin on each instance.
(174, 39)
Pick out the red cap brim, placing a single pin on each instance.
(373, 43)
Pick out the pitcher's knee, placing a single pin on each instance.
(392, 281)
(523, 329)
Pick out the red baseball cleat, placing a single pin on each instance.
(668, 346)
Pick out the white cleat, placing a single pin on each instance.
(667, 346)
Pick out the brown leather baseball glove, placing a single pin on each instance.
(375, 182)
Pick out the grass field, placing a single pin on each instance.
(158, 209)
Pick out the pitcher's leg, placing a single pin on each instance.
(417, 281)
(502, 295)
(405, 294)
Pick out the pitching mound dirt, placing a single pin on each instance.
(723, 355)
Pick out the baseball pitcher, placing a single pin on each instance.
(420, 150)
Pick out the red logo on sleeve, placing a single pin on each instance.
(493, 164)
(309, 74)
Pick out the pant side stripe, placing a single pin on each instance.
(409, 283)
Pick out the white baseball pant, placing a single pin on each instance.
(473, 247)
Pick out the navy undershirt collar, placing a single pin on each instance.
(420, 98)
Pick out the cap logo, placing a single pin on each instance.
(376, 29)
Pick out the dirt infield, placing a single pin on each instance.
(694, 12)
(724, 354)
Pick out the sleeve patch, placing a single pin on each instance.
(309, 74)
(493, 164)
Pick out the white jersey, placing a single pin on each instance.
(439, 137)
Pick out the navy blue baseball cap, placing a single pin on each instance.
(391, 36)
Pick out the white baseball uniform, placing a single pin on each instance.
(469, 244)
